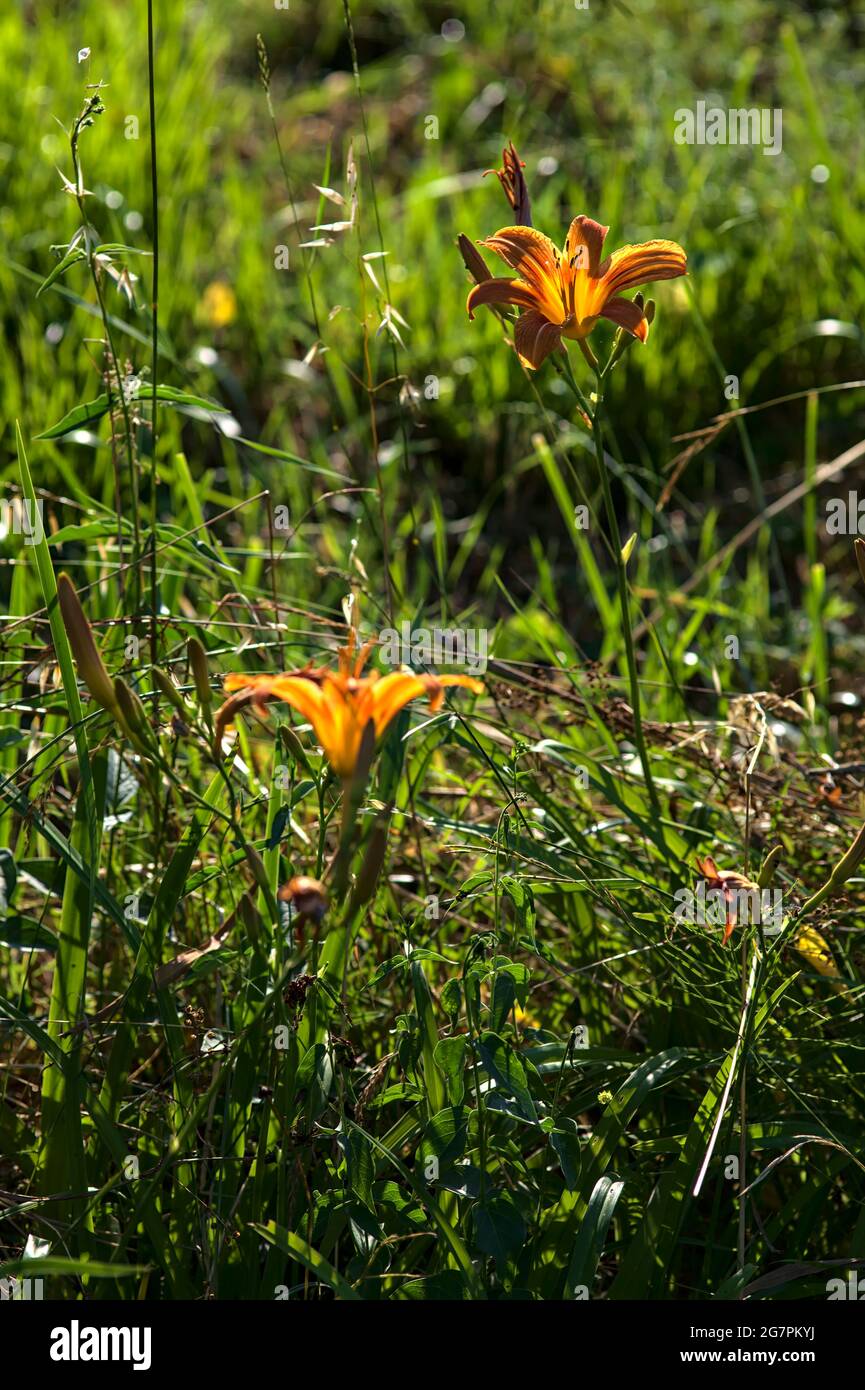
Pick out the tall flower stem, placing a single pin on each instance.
(92, 104)
(596, 418)
(154, 350)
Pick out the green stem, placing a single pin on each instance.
(624, 600)
(112, 352)
(154, 349)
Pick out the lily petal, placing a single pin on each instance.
(584, 244)
(391, 694)
(626, 314)
(535, 338)
(394, 691)
(502, 290)
(642, 265)
(706, 867)
(465, 682)
(338, 705)
(527, 250)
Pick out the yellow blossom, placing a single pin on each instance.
(218, 306)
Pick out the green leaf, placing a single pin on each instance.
(499, 1227)
(504, 996)
(448, 1286)
(565, 1143)
(359, 1165)
(26, 934)
(71, 258)
(450, 1059)
(28, 1268)
(444, 1137)
(451, 1000)
(90, 412)
(78, 418)
(299, 1249)
(8, 878)
(592, 1234)
(507, 1070)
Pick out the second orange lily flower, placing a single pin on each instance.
(731, 885)
(562, 294)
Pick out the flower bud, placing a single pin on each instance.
(371, 867)
(170, 691)
(473, 260)
(87, 658)
(132, 715)
(293, 746)
(200, 674)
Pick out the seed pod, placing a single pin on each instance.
(255, 862)
(849, 862)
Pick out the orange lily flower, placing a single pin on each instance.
(563, 294)
(339, 704)
(728, 882)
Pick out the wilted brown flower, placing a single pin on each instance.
(513, 182)
(308, 897)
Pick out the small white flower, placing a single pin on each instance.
(83, 54)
